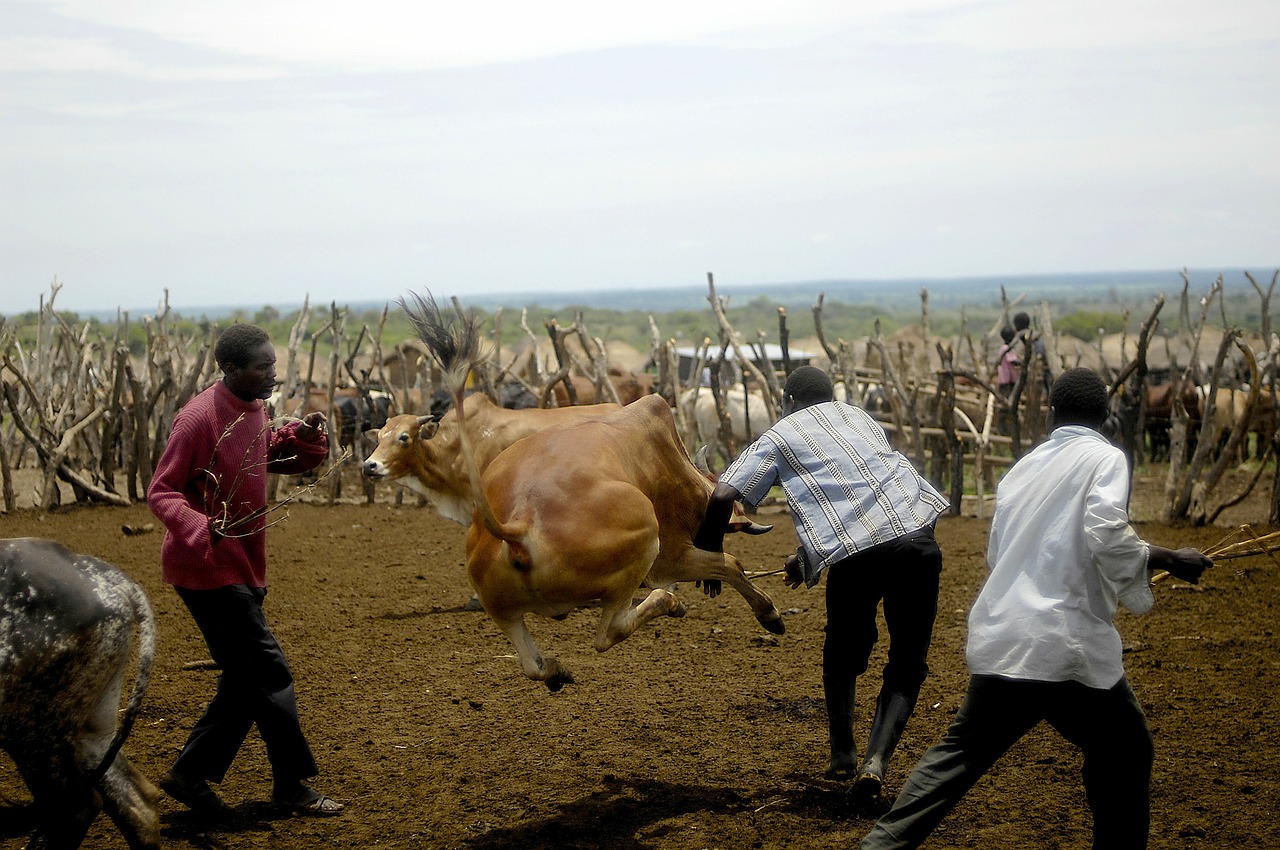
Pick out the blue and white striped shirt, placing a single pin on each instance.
(847, 489)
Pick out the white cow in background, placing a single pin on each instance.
(748, 417)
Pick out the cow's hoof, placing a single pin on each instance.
(773, 623)
(559, 680)
(473, 604)
(677, 610)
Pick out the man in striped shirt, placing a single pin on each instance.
(865, 517)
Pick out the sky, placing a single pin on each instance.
(254, 152)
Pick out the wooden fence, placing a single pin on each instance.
(85, 412)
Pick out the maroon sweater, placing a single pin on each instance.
(215, 467)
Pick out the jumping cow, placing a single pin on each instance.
(581, 513)
(66, 627)
(425, 455)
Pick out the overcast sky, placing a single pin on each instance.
(254, 151)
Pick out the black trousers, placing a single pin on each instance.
(902, 573)
(1106, 724)
(256, 687)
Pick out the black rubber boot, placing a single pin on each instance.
(839, 688)
(892, 711)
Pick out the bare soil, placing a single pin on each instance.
(701, 732)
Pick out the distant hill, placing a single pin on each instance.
(886, 294)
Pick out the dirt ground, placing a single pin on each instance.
(701, 732)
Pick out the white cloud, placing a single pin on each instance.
(412, 35)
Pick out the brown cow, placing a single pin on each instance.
(592, 512)
(1159, 414)
(582, 513)
(354, 411)
(425, 456)
(629, 387)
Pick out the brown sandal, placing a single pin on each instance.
(312, 803)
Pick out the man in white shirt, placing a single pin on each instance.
(1042, 644)
(865, 517)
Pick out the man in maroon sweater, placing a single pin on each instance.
(210, 491)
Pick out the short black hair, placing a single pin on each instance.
(1079, 397)
(1007, 333)
(1021, 321)
(809, 385)
(236, 344)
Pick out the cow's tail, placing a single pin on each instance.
(144, 621)
(456, 344)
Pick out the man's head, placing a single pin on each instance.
(1078, 397)
(805, 386)
(1021, 321)
(248, 361)
(1007, 334)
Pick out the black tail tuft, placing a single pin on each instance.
(453, 339)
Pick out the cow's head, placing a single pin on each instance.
(401, 447)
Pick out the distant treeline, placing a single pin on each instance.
(1083, 304)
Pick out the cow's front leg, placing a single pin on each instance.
(698, 564)
(541, 668)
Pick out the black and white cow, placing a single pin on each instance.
(66, 628)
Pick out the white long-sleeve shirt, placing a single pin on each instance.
(1062, 558)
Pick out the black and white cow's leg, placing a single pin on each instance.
(130, 799)
(65, 803)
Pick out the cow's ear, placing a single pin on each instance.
(371, 435)
(427, 431)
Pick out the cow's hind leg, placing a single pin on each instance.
(541, 668)
(130, 800)
(618, 618)
(65, 804)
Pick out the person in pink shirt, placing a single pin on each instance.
(1007, 363)
(210, 491)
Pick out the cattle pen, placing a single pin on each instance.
(699, 732)
(91, 410)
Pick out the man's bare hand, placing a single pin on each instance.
(1186, 563)
(312, 424)
(793, 571)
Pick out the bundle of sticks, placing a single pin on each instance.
(1244, 542)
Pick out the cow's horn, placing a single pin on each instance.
(700, 460)
(757, 528)
(423, 420)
